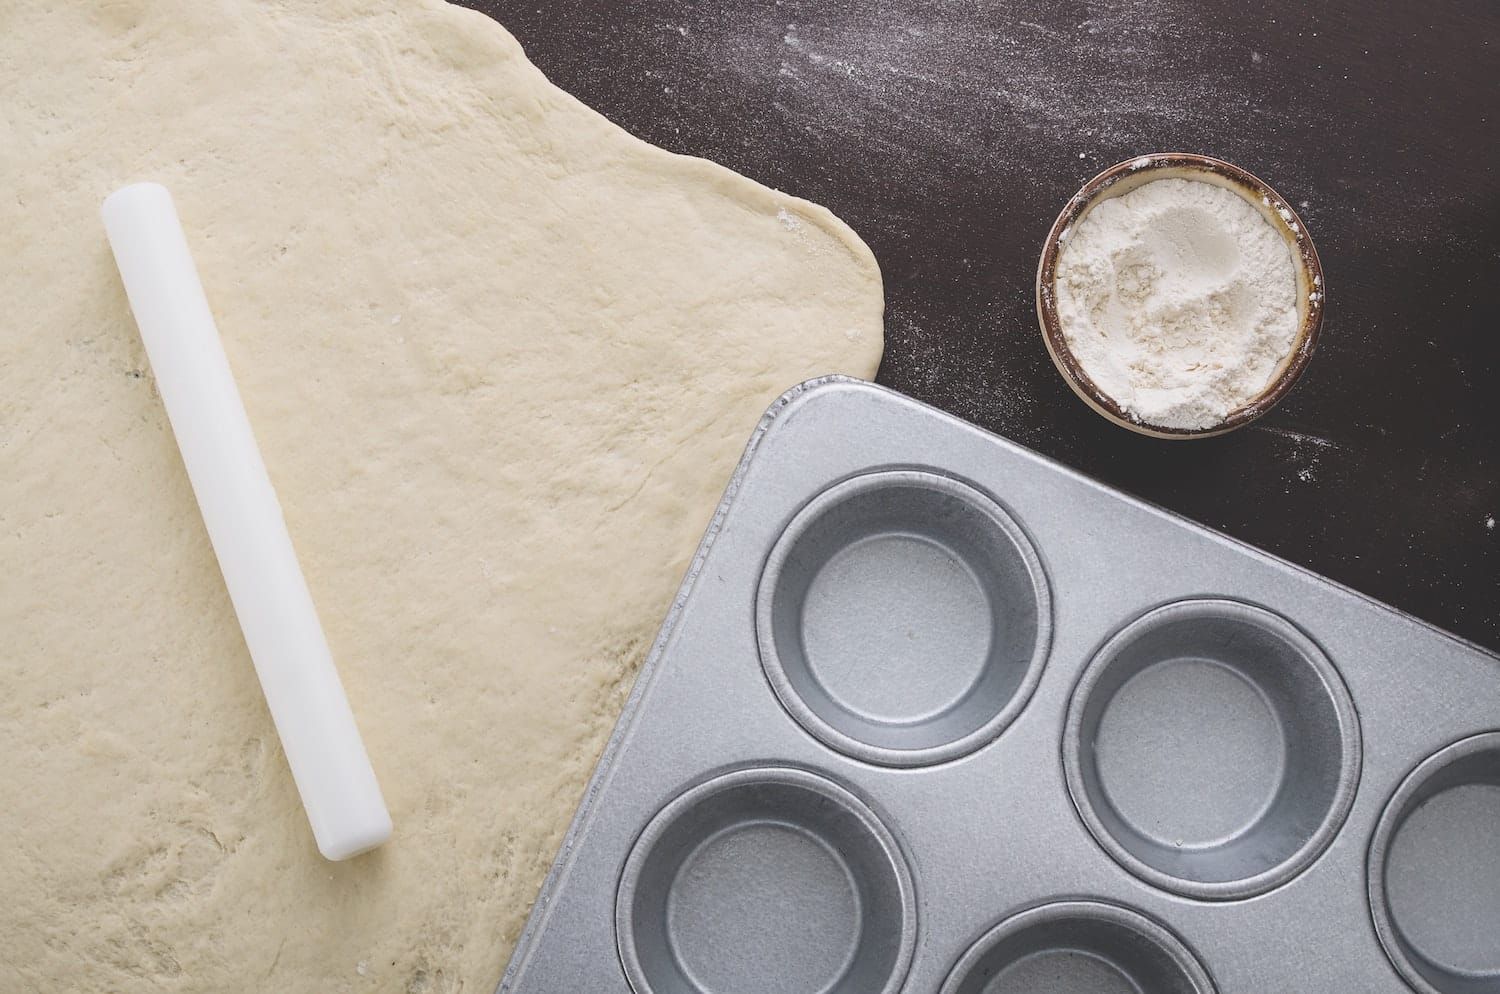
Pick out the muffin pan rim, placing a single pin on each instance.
(1395, 811)
(1143, 925)
(886, 839)
(1351, 757)
(798, 527)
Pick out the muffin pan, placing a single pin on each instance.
(934, 714)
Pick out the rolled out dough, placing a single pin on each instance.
(500, 357)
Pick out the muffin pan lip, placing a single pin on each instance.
(1351, 745)
(1092, 909)
(1393, 815)
(744, 776)
(701, 705)
(798, 527)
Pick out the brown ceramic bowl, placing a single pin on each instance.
(1126, 176)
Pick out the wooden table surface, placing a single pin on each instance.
(950, 133)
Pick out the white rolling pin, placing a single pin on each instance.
(245, 525)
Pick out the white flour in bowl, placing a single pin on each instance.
(1179, 299)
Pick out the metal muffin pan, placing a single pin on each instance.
(932, 713)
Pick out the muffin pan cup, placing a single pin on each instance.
(1212, 749)
(1434, 871)
(951, 705)
(821, 895)
(1074, 946)
(908, 573)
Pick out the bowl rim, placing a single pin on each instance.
(1140, 169)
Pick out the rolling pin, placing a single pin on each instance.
(275, 610)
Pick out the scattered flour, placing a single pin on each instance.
(1179, 300)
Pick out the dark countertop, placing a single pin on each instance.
(950, 133)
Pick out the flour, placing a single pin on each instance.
(1179, 299)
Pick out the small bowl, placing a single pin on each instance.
(1126, 176)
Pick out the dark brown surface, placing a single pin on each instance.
(950, 133)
